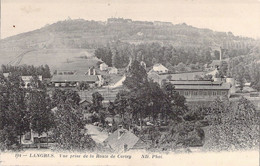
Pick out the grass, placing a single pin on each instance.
(62, 59)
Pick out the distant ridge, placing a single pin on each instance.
(80, 33)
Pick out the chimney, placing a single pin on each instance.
(220, 54)
(120, 131)
(94, 72)
(89, 71)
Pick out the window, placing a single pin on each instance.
(214, 93)
(195, 93)
(186, 93)
(223, 93)
(205, 93)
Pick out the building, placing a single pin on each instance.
(202, 90)
(177, 76)
(28, 79)
(103, 67)
(161, 23)
(74, 80)
(123, 140)
(6, 75)
(160, 69)
(215, 64)
(113, 70)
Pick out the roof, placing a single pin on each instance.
(196, 82)
(74, 78)
(215, 62)
(28, 78)
(159, 65)
(84, 101)
(6, 74)
(184, 76)
(224, 86)
(117, 143)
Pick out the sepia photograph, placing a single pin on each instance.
(129, 82)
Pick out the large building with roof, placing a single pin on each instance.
(202, 90)
(74, 80)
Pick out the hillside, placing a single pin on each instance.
(91, 34)
(80, 35)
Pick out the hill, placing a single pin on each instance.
(91, 34)
(86, 35)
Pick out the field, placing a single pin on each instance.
(61, 59)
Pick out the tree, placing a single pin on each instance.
(234, 125)
(181, 67)
(121, 102)
(41, 117)
(17, 111)
(69, 132)
(174, 103)
(97, 99)
(137, 77)
(240, 72)
(59, 96)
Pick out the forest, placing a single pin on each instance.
(158, 115)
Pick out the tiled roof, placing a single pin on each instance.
(196, 82)
(224, 86)
(184, 76)
(117, 142)
(74, 78)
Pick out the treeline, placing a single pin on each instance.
(27, 70)
(23, 110)
(244, 68)
(182, 58)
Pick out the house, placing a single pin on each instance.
(31, 138)
(196, 90)
(84, 103)
(6, 75)
(28, 79)
(215, 64)
(123, 140)
(113, 70)
(74, 80)
(159, 68)
(156, 77)
(103, 67)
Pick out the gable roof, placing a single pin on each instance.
(74, 78)
(224, 86)
(196, 82)
(117, 142)
(160, 65)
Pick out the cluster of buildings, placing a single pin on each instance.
(73, 80)
(111, 70)
(122, 20)
(194, 89)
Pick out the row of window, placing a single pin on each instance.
(204, 93)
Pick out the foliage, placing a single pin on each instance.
(97, 99)
(234, 125)
(69, 132)
(105, 55)
(41, 117)
(28, 70)
(83, 86)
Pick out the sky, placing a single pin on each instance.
(241, 17)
